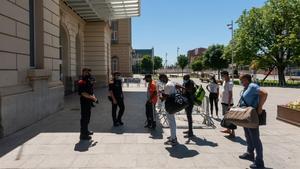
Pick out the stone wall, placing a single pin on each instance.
(97, 50)
(122, 49)
(28, 94)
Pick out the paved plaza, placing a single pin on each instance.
(54, 141)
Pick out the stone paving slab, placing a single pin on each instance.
(53, 142)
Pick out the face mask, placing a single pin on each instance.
(185, 81)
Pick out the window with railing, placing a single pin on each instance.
(114, 32)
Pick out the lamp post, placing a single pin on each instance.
(230, 27)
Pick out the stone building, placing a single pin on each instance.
(44, 44)
(195, 54)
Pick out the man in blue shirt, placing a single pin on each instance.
(255, 97)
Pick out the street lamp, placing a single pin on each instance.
(230, 27)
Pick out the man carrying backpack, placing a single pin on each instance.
(190, 90)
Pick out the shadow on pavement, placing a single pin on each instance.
(68, 121)
(201, 142)
(180, 151)
(84, 145)
(237, 139)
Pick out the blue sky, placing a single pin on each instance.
(187, 24)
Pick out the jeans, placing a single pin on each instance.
(254, 143)
(213, 98)
(85, 117)
(120, 103)
(172, 124)
(189, 111)
(149, 113)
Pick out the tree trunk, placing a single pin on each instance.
(218, 74)
(182, 71)
(281, 75)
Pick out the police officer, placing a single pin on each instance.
(87, 97)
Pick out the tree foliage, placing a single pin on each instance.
(182, 61)
(147, 64)
(158, 62)
(214, 58)
(197, 65)
(270, 35)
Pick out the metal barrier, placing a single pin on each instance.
(133, 82)
(202, 110)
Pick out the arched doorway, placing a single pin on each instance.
(64, 56)
(115, 64)
(78, 56)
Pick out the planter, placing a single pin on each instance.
(288, 115)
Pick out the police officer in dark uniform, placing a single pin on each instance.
(117, 99)
(87, 98)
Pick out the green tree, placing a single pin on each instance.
(197, 65)
(182, 62)
(157, 62)
(270, 35)
(147, 64)
(214, 58)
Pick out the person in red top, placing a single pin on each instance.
(151, 102)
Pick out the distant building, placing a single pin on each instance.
(137, 57)
(195, 53)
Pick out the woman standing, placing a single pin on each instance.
(213, 89)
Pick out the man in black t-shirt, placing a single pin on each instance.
(117, 99)
(87, 97)
(190, 89)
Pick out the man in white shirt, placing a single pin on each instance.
(227, 101)
(170, 88)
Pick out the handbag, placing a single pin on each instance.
(175, 103)
(243, 116)
(262, 118)
(227, 124)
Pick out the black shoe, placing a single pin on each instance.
(186, 132)
(85, 137)
(254, 165)
(153, 126)
(189, 136)
(120, 123)
(147, 126)
(247, 156)
(90, 133)
(116, 124)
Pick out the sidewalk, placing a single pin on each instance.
(54, 141)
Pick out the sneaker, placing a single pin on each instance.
(169, 138)
(254, 165)
(189, 136)
(90, 133)
(172, 142)
(247, 156)
(120, 123)
(147, 126)
(186, 132)
(116, 124)
(85, 137)
(153, 126)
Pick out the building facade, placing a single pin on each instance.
(121, 49)
(137, 56)
(44, 44)
(195, 54)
